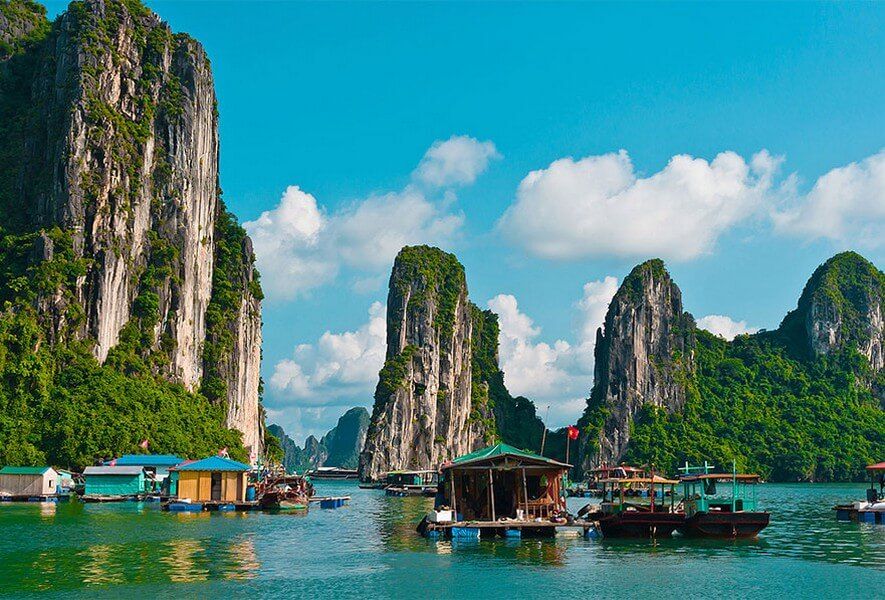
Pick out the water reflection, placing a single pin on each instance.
(183, 561)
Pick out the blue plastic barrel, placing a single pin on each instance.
(250, 493)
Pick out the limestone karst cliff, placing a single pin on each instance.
(802, 402)
(339, 447)
(842, 306)
(110, 156)
(643, 354)
(425, 411)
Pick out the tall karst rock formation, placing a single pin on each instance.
(842, 306)
(110, 151)
(426, 410)
(643, 356)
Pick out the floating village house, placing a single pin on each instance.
(28, 481)
(156, 466)
(504, 487)
(213, 479)
(114, 481)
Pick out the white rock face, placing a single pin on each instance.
(127, 159)
(423, 405)
(646, 343)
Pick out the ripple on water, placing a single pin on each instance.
(371, 545)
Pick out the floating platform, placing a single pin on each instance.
(331, 501)
(91, 498)
(210, 506)
(859, 513)
(44, 498)
(402, 491)
(487, 529)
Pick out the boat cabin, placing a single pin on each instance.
(706, 491)
(503, 482)
(620, 493)
(412, 478)
(213, 479)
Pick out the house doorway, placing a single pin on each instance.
(216, 487)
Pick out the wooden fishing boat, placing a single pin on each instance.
(720, 504)
(873, 509)
(411, 483)
(623, 511)
(285, 492)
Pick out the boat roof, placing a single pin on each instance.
(655, 479)
(148, 460)
(502, 450)
(13, 470)
(109, 470)
(213, 463)
(411, 472)
(744, 477)
(625, 468)
(876, 467)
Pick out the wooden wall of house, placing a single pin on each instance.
(197, 485)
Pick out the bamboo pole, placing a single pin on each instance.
(525, 494)
(492, 492)
(454, 508)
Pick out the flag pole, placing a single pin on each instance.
(544, 434)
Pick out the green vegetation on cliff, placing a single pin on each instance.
(439, 275)
(512, 419)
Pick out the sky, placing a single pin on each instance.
(551, 147)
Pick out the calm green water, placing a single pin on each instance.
(369, 549)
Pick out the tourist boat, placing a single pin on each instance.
(333, 473)
(411, 483)
(285, 492)
(873, 509)
(720, 504)
(624, 512)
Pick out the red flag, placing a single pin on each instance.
(573, 432)
(144, 444)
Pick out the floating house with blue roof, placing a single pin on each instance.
(114, 482)
(213, 479)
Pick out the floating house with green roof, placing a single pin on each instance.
(500, 490)
(28, 481)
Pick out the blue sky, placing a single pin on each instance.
(344, 100)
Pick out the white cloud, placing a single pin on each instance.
(846, 205)
(338, 367)
(560, 373)
(457, 161)
(300, 246)
(725, 326)
(599, 205)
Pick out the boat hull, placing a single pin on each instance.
(725, 524)
(640, 524)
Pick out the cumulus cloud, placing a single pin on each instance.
(299, 245)
(846, 205)
(339, 367)
(599, 205)
(724, 326)
(558, 373)
(456, 161)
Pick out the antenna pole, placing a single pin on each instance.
(544, 433)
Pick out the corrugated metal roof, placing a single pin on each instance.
(108, 470)
(147, 460)
(11, 470)
(213, 463)
(502, 449)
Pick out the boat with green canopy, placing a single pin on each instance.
(720, 504)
